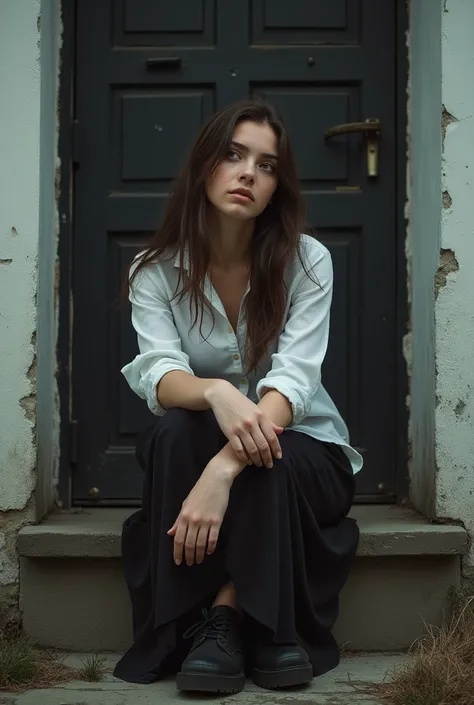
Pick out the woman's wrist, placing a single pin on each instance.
(226, 464)
(212, 389)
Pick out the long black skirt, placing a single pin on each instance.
(285, 543)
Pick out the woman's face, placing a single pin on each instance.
(250, 168)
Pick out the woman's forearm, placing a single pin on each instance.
(278, 409)
(184, 391)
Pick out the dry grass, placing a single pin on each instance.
(442, 668)
(24, 666)
(93, 669)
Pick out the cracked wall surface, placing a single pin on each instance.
(454, 283)
(19, 207)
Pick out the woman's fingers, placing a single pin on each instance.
(179, 539)
(194, 539)
(201, 542)
(212, 538)
(172, 531)
(239, 449)
(268, 430)
(248, 459)
(251, 448)
(190, 542)
(263, 444)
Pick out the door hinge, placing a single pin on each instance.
(73, 426)
(76, 147)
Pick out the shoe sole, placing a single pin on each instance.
(283, 678)
(207, 683)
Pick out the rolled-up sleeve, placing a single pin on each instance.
(158, 340)
(296, 365)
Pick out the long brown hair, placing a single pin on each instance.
(276, 236)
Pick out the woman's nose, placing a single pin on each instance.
(248, 173)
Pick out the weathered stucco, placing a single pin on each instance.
(30, 37)
(19, 202)
(19, 207)
(454, 308)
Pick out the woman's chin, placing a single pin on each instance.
(235, 211)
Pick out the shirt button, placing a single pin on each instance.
(230, 330)
(236, 357)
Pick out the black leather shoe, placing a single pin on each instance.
(280, 665)
(215, 663)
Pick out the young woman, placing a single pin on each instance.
(248, 472)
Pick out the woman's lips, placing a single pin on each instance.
(241, 198)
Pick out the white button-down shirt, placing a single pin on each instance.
(168, 341)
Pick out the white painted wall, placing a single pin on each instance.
(28, 226)
(454, 307)
(19, 208)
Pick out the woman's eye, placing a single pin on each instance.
(232, 155)
(268, 167)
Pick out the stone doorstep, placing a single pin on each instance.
(341, 686)
(385, 530)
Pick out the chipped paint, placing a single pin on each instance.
(455, 293)
(446, 119)
(448, 264)
(19, 208)
(447, 200)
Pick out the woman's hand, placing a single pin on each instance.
(198, 524)
(250, 432)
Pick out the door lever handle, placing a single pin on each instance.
(371, 129)
(371, 126)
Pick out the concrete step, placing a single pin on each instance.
(73, 595)
(342, 686)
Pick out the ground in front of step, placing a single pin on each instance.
(339, 687)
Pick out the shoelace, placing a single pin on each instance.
(212, 626)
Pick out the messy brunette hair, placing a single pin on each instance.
(277, 230)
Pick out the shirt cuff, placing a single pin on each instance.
(145, 384)
(298, 407)
(153, 378)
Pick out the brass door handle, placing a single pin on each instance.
(371, 129)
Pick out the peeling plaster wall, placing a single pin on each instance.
(30, 37)
(454, 284)
(19, 205)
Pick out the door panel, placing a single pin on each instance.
(321, 64)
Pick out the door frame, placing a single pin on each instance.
(66, 107)
(68, 155)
